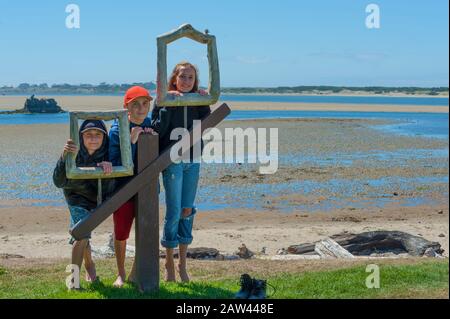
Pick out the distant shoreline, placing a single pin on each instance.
(344, 95)
(362, 94)
(108, 103)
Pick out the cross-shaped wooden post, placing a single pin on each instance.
(144, 185)
(147, 218)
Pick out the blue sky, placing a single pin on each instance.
(260, 43)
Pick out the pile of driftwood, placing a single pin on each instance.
(344, 245)
(375, 243)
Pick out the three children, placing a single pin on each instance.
(180, 179)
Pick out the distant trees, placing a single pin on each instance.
(105, 88)
(65, 88)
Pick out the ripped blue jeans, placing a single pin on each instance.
(180, 185)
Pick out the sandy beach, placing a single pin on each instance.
(393, 182)
(106, 103)
(40, 232)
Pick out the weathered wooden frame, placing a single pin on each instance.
(127, 167)
(188, 99)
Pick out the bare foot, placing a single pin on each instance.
(183, 273)
(91, 273)
(170, 273)
(119, 282)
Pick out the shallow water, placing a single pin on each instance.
(414, 124)
(334, 193)
(337, 99)
(411, 100)
(29, 178)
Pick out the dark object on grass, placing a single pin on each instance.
(246, 287)
(365, 244)
(259, 289)
(251, 288)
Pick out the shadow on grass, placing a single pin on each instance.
(193, 290)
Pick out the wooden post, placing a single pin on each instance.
(147, 218)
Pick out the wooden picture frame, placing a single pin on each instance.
(127, 168)
(188, 99)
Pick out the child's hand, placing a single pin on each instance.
(202, 92)
(135, 132)
(149, 130)
(106, 166)
(175, 93)
(70, 147)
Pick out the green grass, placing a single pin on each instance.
(422, 279)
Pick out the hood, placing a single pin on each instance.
(83, 157)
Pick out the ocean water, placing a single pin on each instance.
(415, 124)
(337, 99)
(435, 101)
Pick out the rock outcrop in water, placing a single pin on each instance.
(34, 105)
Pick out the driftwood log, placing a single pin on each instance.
(365, 244)
(328, 248)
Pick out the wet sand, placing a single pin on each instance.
(107, 103)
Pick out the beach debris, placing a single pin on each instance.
(376, 242)
(261, 252)
(107, 251)
(289, 257)
(328, 248)
(195, 253)
(352, 219)
(11, 256)
(441, 235)
(430, 252)
(244, 252)
(389, 254)
(282, 251)
(227, 257)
